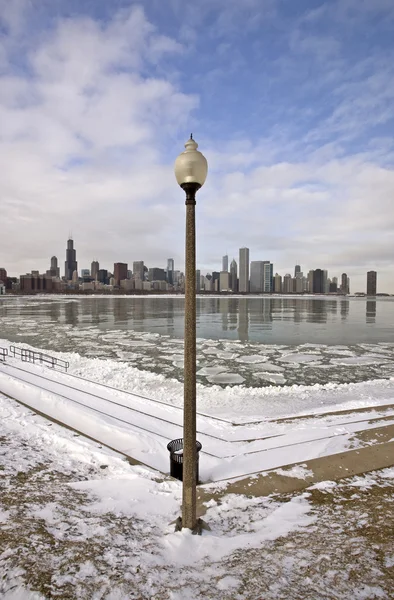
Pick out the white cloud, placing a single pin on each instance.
(81, 148)
(94, 111)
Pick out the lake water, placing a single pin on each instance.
(251, 340)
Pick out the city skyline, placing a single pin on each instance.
(296, 169)
(164, 264)
(255, 276)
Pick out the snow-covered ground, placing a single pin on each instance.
(78, 521)
(242, 430)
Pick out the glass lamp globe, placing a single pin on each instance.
(191, 166)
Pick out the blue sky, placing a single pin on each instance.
(291, 102)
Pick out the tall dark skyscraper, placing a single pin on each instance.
(234, 275)
(318, 281)
(170, 270)
(344, 284)
(371, 283)
(94, 269)
(120, 272)
(71, 264)
(3, 276)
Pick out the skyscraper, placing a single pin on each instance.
(371, 283)
(156, 274)
(344, 284)
(215, 281)
(299, 282)
(95, 267)
(310, 281)
(224, 281)
(3, 275)
(102, 276)
(256, 276)
(244, 270)
(297, 269)
(225, 263)
(326, 285)
(54, 270)
(170, 271)
(120, 272)
(277, 283)
(198, 280)
(287, 284)
(71, 264)
(234, 275)
(138, 270)
(268, 276)
(318, 281)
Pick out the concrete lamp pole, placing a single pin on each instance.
(191, 170)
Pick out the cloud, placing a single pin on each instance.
(293, 109)
(82, 141)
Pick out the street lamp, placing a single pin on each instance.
(191, 172)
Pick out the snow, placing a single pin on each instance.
(136, 409)
(299, 357)
(361, 360)
(244, 400)
(141, 428)
(251, 358)
(270, 367)
(4, 514)
(19, 592)
(211, 370)
(267, 521)
(272, 377)
(133, 492)
(298, 471)
(226, 378)
(324, 485)
(129, 509)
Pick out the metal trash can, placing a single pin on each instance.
(176, 458)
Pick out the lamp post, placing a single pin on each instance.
(190, 171)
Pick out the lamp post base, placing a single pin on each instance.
(198, 528)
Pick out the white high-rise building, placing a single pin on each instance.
(224, 281)
(299, 282)
(225, 263)
(244, 270)
(208, 283)
(277, 283)
(287, 284)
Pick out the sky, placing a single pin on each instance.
(292, 103)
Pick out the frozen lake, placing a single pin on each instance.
(255, 341)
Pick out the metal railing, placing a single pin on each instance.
(33, 356)
(3, 354)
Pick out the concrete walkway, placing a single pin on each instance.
(378, 455)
